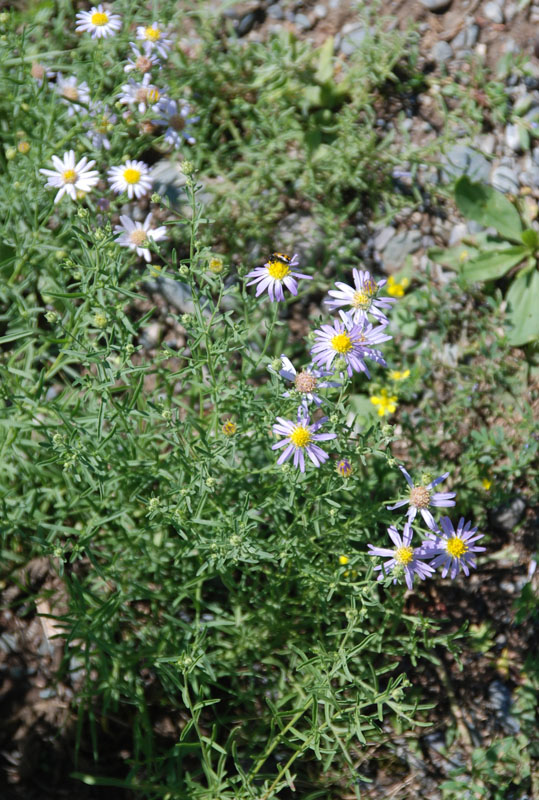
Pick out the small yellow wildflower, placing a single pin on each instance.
(486, 483)
(464, 256)
(343, 560)
(396, 375)
(387, 404)
(229, 428)
(396, 288)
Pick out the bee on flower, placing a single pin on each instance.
(276, 272)
(98, 22)
(362, 298)
(156, 37)
(301, 438)
(135, 234)
(70, 177)
(132, 177)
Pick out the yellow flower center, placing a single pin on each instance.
(341, 343)
(153, 34)
(278, 270)
(99, 18)
(300, 436)
(103, 125)
(131, 175)
(229, 428)
(360, 300)
(456, 547)
(69, 176)
(419, 497)
(138, 236)
(403, 555)
(153, 95)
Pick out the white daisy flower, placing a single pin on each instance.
(132, 177)
(142, 59)
(135, 234)
(71, 91)
(141, 94)
(69, 177)
(100, 125)
(176, 117)
(98, 22)
(156, 36)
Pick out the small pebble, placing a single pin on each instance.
(505, 179)
(436, 5)
(441, 52)
(493, 12)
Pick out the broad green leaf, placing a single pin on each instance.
(530, 239)
(488, 207)
(523, 304)
(489, 266)
(453, 257)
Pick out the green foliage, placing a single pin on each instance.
(489, 258)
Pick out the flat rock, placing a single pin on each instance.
(505, 179)
(512, 137)
(466, 38)
(352, 41)
(441, 52)
(464, 160)
(400, 246)
(383, 237)
(493, 12)
(508, 516)
(436, 5)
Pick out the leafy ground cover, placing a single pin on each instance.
(191, 612)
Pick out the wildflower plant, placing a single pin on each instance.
(195, 516)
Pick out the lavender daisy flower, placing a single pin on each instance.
(142, 59)
(274, 273)
(421, 498)
(306, 381)
(404, 558)
(175, 115)
(299, 438)
(362, 299)
(349, 341)
(454, 549)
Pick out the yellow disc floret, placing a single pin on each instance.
(69, 176)
(341, 343)
(131, 175)
(403, 555)
(138, 236)
(278, 269)
(153, 34)
(456, 547)
(300, 436)
(99, 18)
